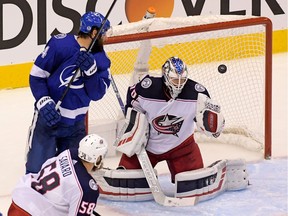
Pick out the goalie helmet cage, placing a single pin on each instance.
(242, 44)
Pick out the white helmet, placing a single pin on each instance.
(175, 75)
(91, 147)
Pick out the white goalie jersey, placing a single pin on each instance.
(171, 121)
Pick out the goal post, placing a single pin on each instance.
(242, 44)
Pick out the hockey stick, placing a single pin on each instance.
(142, 59)
(143, 56)
(148, 170)
(115, 89)
(155, 187)
(141, 66)
(89, 50)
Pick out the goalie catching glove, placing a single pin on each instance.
(209, 119)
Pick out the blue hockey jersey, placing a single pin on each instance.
(53, 69)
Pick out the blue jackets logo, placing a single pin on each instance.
(168, 124)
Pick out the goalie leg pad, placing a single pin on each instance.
(123, 185)
(237, 176)
(209, 182)
(205, 183)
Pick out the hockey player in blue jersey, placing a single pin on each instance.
(54, 130)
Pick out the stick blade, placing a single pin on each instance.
(175, 201)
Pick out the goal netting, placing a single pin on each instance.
(242, 44)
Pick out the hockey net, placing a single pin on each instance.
(241, 43)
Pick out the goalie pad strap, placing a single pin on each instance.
(123, 185)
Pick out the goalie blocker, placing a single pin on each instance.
(121, 184)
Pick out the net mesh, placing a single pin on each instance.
(240, 90)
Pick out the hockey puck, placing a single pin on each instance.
(222, 68)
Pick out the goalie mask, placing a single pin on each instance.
(93, 19)
(91, 147)
(175, 75)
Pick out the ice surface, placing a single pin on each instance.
(267, 195)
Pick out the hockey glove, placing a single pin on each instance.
(46, 108)
(209, 118)
(86, 62)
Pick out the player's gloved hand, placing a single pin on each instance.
(86, 62)
(209, 118)
(46, 108)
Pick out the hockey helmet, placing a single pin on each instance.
(93, 19)
(175, 75)
(91, 147)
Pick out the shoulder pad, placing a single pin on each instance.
(146, 82)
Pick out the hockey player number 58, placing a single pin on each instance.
(48, 180)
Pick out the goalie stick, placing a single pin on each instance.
(89, 50)
(155, 186)
(141, 66)
(147, 168)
